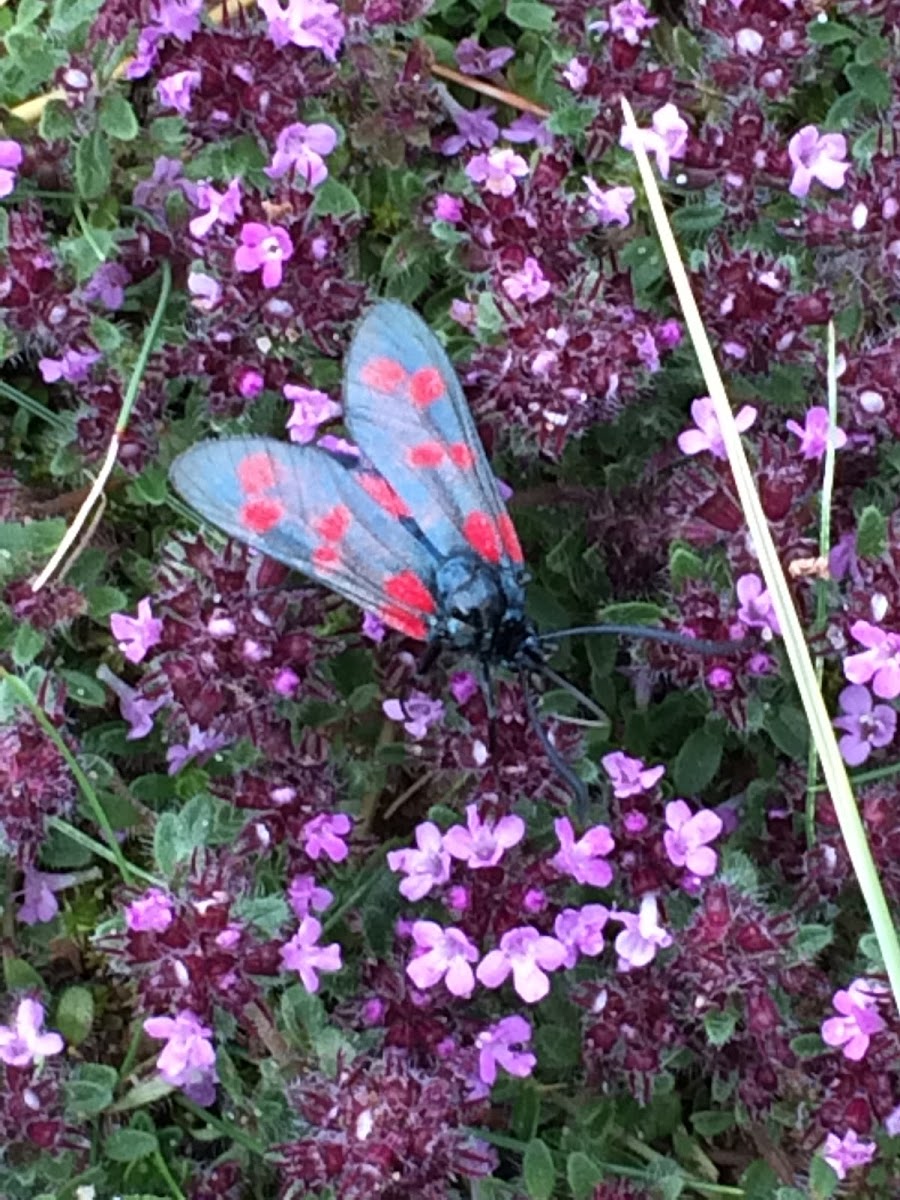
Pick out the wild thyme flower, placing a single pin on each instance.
(11, 156)
(584, 859)
(188, 1059)
(867, 726)
(303, 954)
(686, 840)
(22, 1043)
(859, 1020)
(526, 954)
(482, 843)
(426, 867)
(817, 156)
(496, 1047)
(442, 954)
(846, 1153)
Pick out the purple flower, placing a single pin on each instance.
(463, 686)
(687, 837)
(373, 628)
(302, 149)
(584, 859)
(136, 635)
(528, 128)
(175, 91)
(844, 1153)
(10, 161)
(813, 434)
(474, 128)
(305, 894)
(153, 193)
(880, 662)
(310, 24)
(472, 60)
(581, 931)
(528, 283)
(448, 208)
(528, 954)
(311, 409)
(482, 843)
(667, 139)
(868, 726)
(39, 904)
(74, 366)
(265, 247)
(628, 20)
(498, 170)
(301, 954)
(418, 712)
(859, 1021)
(612, 205)
(756, 609)
(22, 1044)
(642, 936)
(495, 1046)
(630, 777)
(188, 1059)
(153, 912)
(324, 834)
(442, 954)
(135, 708)
(200, 744)
(708, 434)
(426, 867)
(817, 156)
(107, 284)
(222, 208)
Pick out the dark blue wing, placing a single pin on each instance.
(406, 411)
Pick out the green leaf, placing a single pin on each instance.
(103, 600)
(529, 14)
(871, 532)
(69, 15)
(684, 564)
(719, 1025)
(631, 612)
(808, 1045)
(75, 1014)
(572, 118)
(698, 218)
(84, 689)
(843, 112)
(90, 1090)
(334, 199)
(488, 317)
(811, 940)
(93, 166)
(872, 49)
(268, 913)
(583, 1175)
(27, 644)
(117, 117)
(698, 760)
(787, 728)
(710, 1124)
(759, 1181)
(18, 975)
(823, 1179)
(151, 486)
(538, 1170)
(828, 33)
(57, 122)
(169, 843)
(129, 1145)
(871, 83)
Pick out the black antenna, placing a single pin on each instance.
(579, 695)
(651, 633)
(559, 764)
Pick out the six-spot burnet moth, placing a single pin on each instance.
(408, 523)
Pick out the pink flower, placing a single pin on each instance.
(266, 248)
(581, 931)
(756, 610)
(305, 894)
(418, 712)
(813, 434)
(135, 708)
(483, 843)
(687, 837)
(10, 161)
(188, 1060)
(286, 682)
(474, 128)
(311, 409)
(642, 936)
(39, 904)
(817, 156)
(373, 628)
(426, 867)
(584, 859)
(880, 662)
(222, 208)
(844, 1153)
(667, 139)
(175, 91)
(859, 1021)
(868, 726)
(151, 912)
(495, 1046)
(73, 367)
(301, 954)
(528, 128)
(629, 775)
(463, 686)
(310, 24)
(612, 205)
(448, 208)
(136, 636)
(22, 1044)
(206, 291)
(200, 744)
(708, 434)
(324, 834)
(498, 170)
(442, 954)
(302, 149)
(576, 74)
(250, 383)
(629, 19)
(528, 954)
(528, 283)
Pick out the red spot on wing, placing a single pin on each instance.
(426, 454)
(406, 622)
(425, 386)
(333, 525)
(383, 494)
(383, 374)
(482, 535)
(256, 473)
(262, 514)
(326, 558)
(510, 538)
(462, 456)
(409, 589)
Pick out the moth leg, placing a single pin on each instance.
(430, 657)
